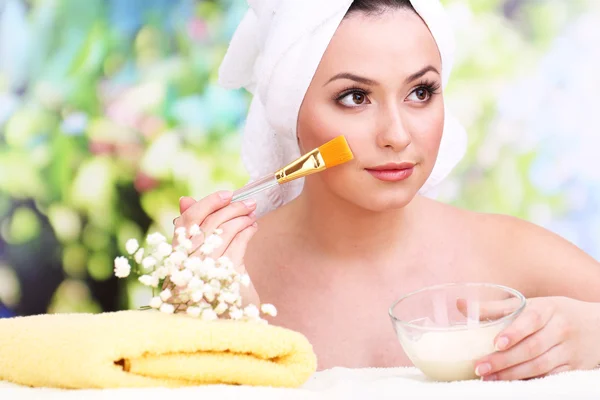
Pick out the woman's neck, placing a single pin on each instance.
(345, 230)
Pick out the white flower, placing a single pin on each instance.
(206, 249)
(167, 308)
(269, 309)
(195, 230)
(203, 304)
(195, 284)
(122, 267)
(234, 287)
(209, 295)
(214, 241)
(161, 272)
(229, 297)
(154, 279)
(210, 244)
(172, 269)
(180, 231)
(235, 313)
(149, 262)
(225, 262)
(186, 244)
(219, 273)
(209, 263)
(139, 256)
(197, 296)
(211, 273)
(165, 295)
(149, 280)
(155, 239)
(177, 258)
(193, 311)
(164, 250)
(206, 266)
(187, 275)
(194, 264)
(245, 280)
(221, 308)
(181, 278)
(209, 315)
(155, 302)
(251, 311)
(215, 283)
(218, 231)
(131, 246)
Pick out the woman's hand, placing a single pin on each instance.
(551, 335)
(236, 220)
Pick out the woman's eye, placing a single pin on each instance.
(354, 99)
(419, 95)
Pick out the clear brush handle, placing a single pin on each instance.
(252, 188)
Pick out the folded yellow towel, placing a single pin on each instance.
(149, 348)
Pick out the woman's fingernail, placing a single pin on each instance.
(226, 194)
(501, 343)
(483, 369)
(249, 203)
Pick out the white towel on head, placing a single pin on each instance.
(274, 54)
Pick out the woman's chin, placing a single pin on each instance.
(381, 202)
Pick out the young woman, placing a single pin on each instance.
(334, 258)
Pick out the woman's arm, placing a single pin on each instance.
(559, 329)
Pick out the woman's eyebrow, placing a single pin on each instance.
(371, 82)
(353, 77)
(420, 73)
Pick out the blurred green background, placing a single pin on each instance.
(110, 111)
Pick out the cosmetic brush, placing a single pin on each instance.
(328, 155)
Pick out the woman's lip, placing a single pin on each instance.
(392, 166)
(391, 175)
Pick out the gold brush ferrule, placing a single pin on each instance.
(308, 164)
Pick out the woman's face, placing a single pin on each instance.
(379, 85)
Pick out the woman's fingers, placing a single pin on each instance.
(545, 363)
(185, 203)
(231, 229)
(200, 210)
(486, 310)
(221, 217)
(237, 248)
(534, 317)
(526, 350)
(209, 214)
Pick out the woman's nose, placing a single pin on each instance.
(393, 132)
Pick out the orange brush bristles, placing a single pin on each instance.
(336, 152)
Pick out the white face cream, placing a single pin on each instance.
(450, 355)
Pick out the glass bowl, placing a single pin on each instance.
(444, 329)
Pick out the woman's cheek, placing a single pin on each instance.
(317, 125)
(426, 135)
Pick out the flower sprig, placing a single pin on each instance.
(197, 285)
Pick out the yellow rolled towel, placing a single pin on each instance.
(149, 348)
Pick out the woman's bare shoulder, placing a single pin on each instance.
(542, 262)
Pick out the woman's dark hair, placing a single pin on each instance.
(378, 6)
